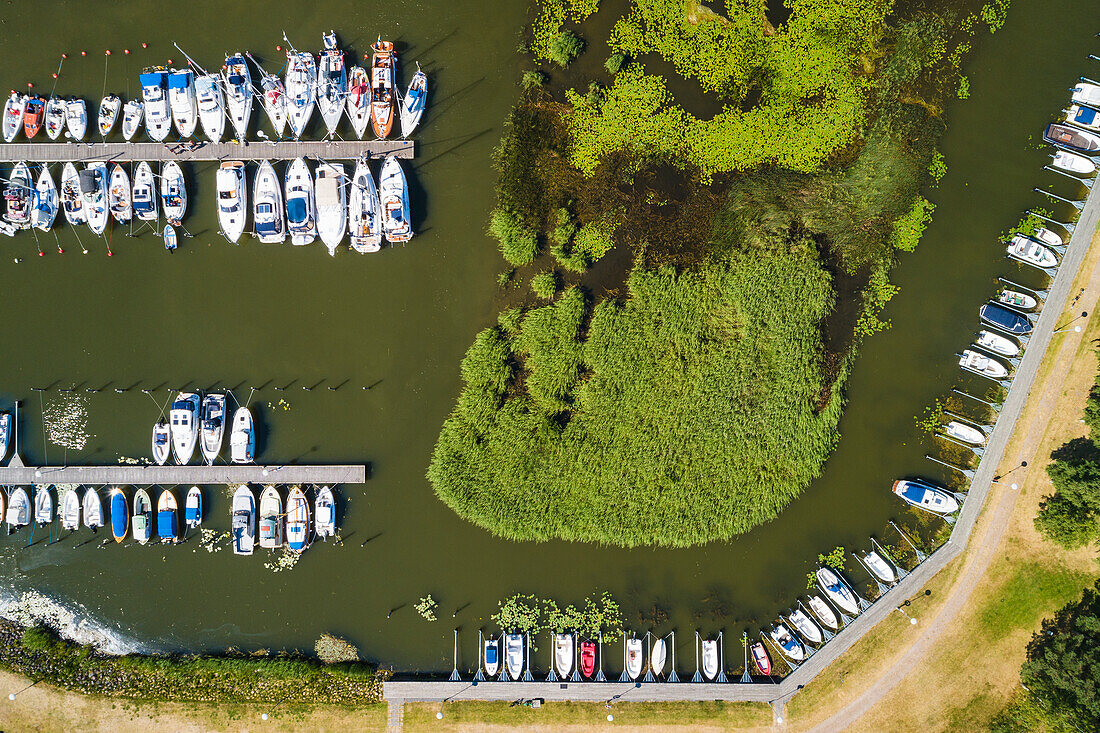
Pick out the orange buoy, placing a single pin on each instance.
(29, 85)
(41, 254)
(144, 45)
(64, 55)
(278, 48)
(108, 52)
(126, 51)
(83, 53)
(55, 76)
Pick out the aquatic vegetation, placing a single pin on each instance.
(285, 559)
(212, 540)
(426, 607)
(333, 650)
(66, 421)
(518, 242)
(531, 615)
(565, 47)
(545, 285)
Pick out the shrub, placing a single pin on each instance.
(533, 79)
(518, 242)
(565, 47)
(615, 62)
(39, 639)
(564, 228)
(594, 239)
(545, 284)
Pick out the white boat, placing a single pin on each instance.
(108, 113)
(563, 655)
(824, 614)
(881, 569)
(70, 510)
(232, 199)
(1085, 117)
(1016, 299)
(141, 519)
(212, 426)
(192, 508)
(1048, 237)
(1028, 250)
(145, 193)
(168, 513)
(93, 509)
(119, 195)
(154, 93)
(492, 657)
(54, 119)
(45, 203)
(997, 344)
(383, 87)
(133, 112)
(965, 433)
(925, 496)
(271, 518)
(238, 93)
(76, 118)
(412, 105)
(364, 217)
(161, 442)
(981, 364)
(358, 100)
(242, 441)
(13, 115)
(72, 204)
(837, 591)
(513, 655)
(171, 240)
(332, 83)
(182, 99)
(173, 192)
(324, 513)
(274, 97)
(331, 209)
(297, 520)
(19, 196)
(1074, 163)
(184, 420)
(1087, 93)
(19, 509)
(299, 203)
(805, 626)
(657, 657)
(243, 528)
(791, 648)
(635, 658)
(208, 93)
(267, 206)
(394, 196)
(93, 190)
(5, 434)
(301, 82)
(710, 659)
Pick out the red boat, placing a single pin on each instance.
(32, 116)
(588, 658)
(761, 658)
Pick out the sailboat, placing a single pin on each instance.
(173, 192)
(182, 99)
(184, 418)
(271, 518)
(331, 209)
(324, 513)
(133, 113)
(33, 112)
(141, 521)
(13, 115)
(416, 99)
(120, 514)
(238, 93)
(267, 206)
(297, 520)
(108, 113)
(242, 441)
(243, 528)
(118, 195)
(70, 510)
(55, 117)
(836, 590)
(18, 195)
(93, 189)
(76, 118)
(563, 655)
(72, 204)
(45, 202)
(208, 92)
(212, 428)
(332, 82)
(19, 509)
(192, 509)
(145, 193)
(364, 218)
(359, 100)
(232, 199)
(154, 92)
(382, 87)
(299, 203)
(274, 97)
(167, 517)
(93, 509)
(301, 81)
(394, 193)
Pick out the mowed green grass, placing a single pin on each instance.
(727, 715)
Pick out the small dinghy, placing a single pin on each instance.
(18, 197)
(154, 93)
(997, 344)
(492, 657)
(243, 529)
(1075, 139)
(761, 659)
(364, 218)
(824, 614)
(93, 190)
(182, 100)
(212, 426)
(412, 106)
(1087, 93)
(965, 433)
(242, 441)
(299, 203)
(133, 112)
(173, 193)
(120, 514)
(710, 659)
(1048, 237)
(926, 496)
(70, 510)
(331, 209)
(208, 93)
(93, 509)
(382, 88)
(171, 240)
(1016, 299)
(1005, 319)
(13, 115)
(1031, 252)
(588, 659)
(1073, 163)
(72, 204)
(55, 117)
(184, 419)
(983, 365)
(76, 118)
(324, 513)
(805, 626)
(563, 655)
(791, 648)
(359, 99)
(238, 93)
(657, 657)
(837, 591)
(145, 193)
(19, 510)
(297, 520)
(513, 659)
(267, 206)
(142, 517)
(1085, 117)
(274, 97)
(34, 111)
(301, 82)
(108, 114)
(232, 199)
(168, 517)
(332, 83)
(118, 195)
(881, 569)
(394, 194)
(45, 203)
(192, 508)
(5, 435)
(271, 518)
(635, 658)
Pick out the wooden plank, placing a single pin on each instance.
(56, 152)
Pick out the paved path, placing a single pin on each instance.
(15, 473)
(46, 152)
(433, 691)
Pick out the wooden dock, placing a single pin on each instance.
(57, 152)
(15, 474)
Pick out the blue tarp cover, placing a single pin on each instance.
(119, 518)
(166, 524)
(151, 80)
(296, 210)
(178, 80)
(191, 513)
(1086, 116)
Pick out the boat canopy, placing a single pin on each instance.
(296, 209)
(191, 513)
(179, 79)
(327, 190)
(87, 180)
(915, 491)
(152, 79)
(1085, 116)
(267, 528)
(166, 524)
(324, 514)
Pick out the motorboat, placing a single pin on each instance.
(76, 118)
(133, 113)
(1016, 299)
(18, 196)
(13, 115)
(93, 189)
(394, 195)
(635, 658)
(108, 114)
(71, 202)
(791, 648)
(513, 655)
(324, 513)
(1048, 237)
(1004, 319)
(232, 199)
(364, 219)
(243, 528)
(331, 209)
(141, 521)
(710, 659)
(171, 240)
(761, 659)
(997, 344)
(120, 514)
(657, 656)
(358, 100)
(184, 420)
(965, 433)
(563, 655)
(43, 505)
(154, 94)
(805, 626)
(183, 101)
(274, 97)
(299, 203)
(238, 93)
(5, 435)
(211, 103)
(881, 569)
(1073, 163)
(926, 496)
(267, 206)
(45, 202)
(1087, 93)
(168, 517)
(836, 590)
(301, 82)
(242, 441)
(1029, 251)
(145, 193)
(588, 659)
(33, 113)
(70, 510)
(119, 195)
(271, 518)
(162, 442)
(414, 102)
(173, 192)
(297, 520)
(823, 613)
(383, 66)
(1085, 117)
(332, 83)
(1072, 138)
(492, 657)
(55, 117)
(980, 364)
(192, 507)
(93, 509)
(212, 426)
(19, 509)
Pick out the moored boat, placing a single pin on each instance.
(972, 361)
(171, 240)
(300, 218)
(93, 509)
(563, 655)
(13, 115)
(18, 196)
(34, 111)
(211, 104)
(133, 113)
(232, 199)
(790, 647)
(359, 100)
(805, 626)
(710, 659)
(394, 199)
(1048, 237)
(324, 513)
(141, 519)
(881, 569)
(382, 88)
(118, 195)
(836, 590)
(997, 344)
(5, 435)
(1073, 163)
(167, 517)
(72, 204)
(19, 509)
(297, 520)
(513, 655)
(70, 510)
(1028, 250)
(1085, 117)
(364, 217)
(588, 659)
(154, 93)
(192, 509)
(274, 97)
(145, 193)
(45, 203)
(242, 441)
(823, 613)
(332, 83)
(414, 102)
(1073, 138)
(93, 190)
(923, 495)
(1087, 93)
(965, 433)
(76, 118)
(55, 117)
(182, 100)
(1004, 319)
(243, 527)
(331, 209)
(267, 206)
(184, 419)
(212, 426)
(635, 658)
(173, 193)
(1016, 299)
(301, 92)
(271, 518)
(761, 659)
(657, 657)
(108, 114)
(238, 93)
(492, 656)
(120, 514)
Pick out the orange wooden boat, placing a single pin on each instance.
(382, 85)
(33, 115)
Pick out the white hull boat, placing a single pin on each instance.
(54, 120)
(13, 115)
(93, 190)
(784, 639)
(563, 655)
(72, 204)
(192, 507)
(997, 344)
(19, 197)
(238, 93)
(212, 428)
(924, 496)
(981, 364)
(879, 567)
(1016, 299)
(1087, 93)
(1048, 237)
(297, 520)
(1074, 163)
(394, 196)
(299, 203)
(70, 510)
(76, 118)
(710, 659)
(211, 103)
(173, 192)
(324, 513)
(331, 209)
(93, 509)
(412, 106)
(273, 99)
(1085, 117)
(5, 436)
(118, 195)
(182, 99)
(232, 199)
(657, 657)
(184, 419)
(513, 650)
(19, 510)
(243, 528)
(140, 521)
(108, 114)
(271, 518)
(492, 657)
(824, 614)
(168, 517)
(242, 441)
(133, 112)
(45, 203)
(332, 83)
(364, 218)
(358, 101)
(837, 591)
(301, 92)
(154, 93)
(383, 88)
(805, 626)
(43, 505)
(268, 219)
(161, 442)
(145, 193)
(964, 433)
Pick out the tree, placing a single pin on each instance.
(1069, 516)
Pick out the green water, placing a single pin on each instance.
(216, 315)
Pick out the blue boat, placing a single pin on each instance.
(192, 511)
(170, 239)
(1005, 319)
(167, 510)
(120, 514)
(925, 496)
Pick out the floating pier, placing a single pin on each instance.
(59, 152)
(16, 474)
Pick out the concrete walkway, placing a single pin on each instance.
(53, 152)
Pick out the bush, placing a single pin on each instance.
(533, 79)
(518, 242)
(564, 228)
(594, 239)
(615, 62)
(565, 47)
(545, 284)
(39, 639)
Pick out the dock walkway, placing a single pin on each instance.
(15, 474)
(55, 152)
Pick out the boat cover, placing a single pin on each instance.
(491, 654)
(166, 524)
(141, 524)
(1085, 116)
(88, 180)
(178, 79)
(118, 514)
(267, 528)
(296, 209)
(151, 80)
(191, 513)
(324, 514)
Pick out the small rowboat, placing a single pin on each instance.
(1067, 136)
(271, 518)
(492, 657)
(162, 443)
(43, 505)
(761, 659)
(170, 239)
(5, 436)
(55, 117)
(710, 658)
(192, 510)
(93, 509)
(588, 659)
(657, 657)
(108, 114)
(70, 510)
(19, 510)
(513, 659)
